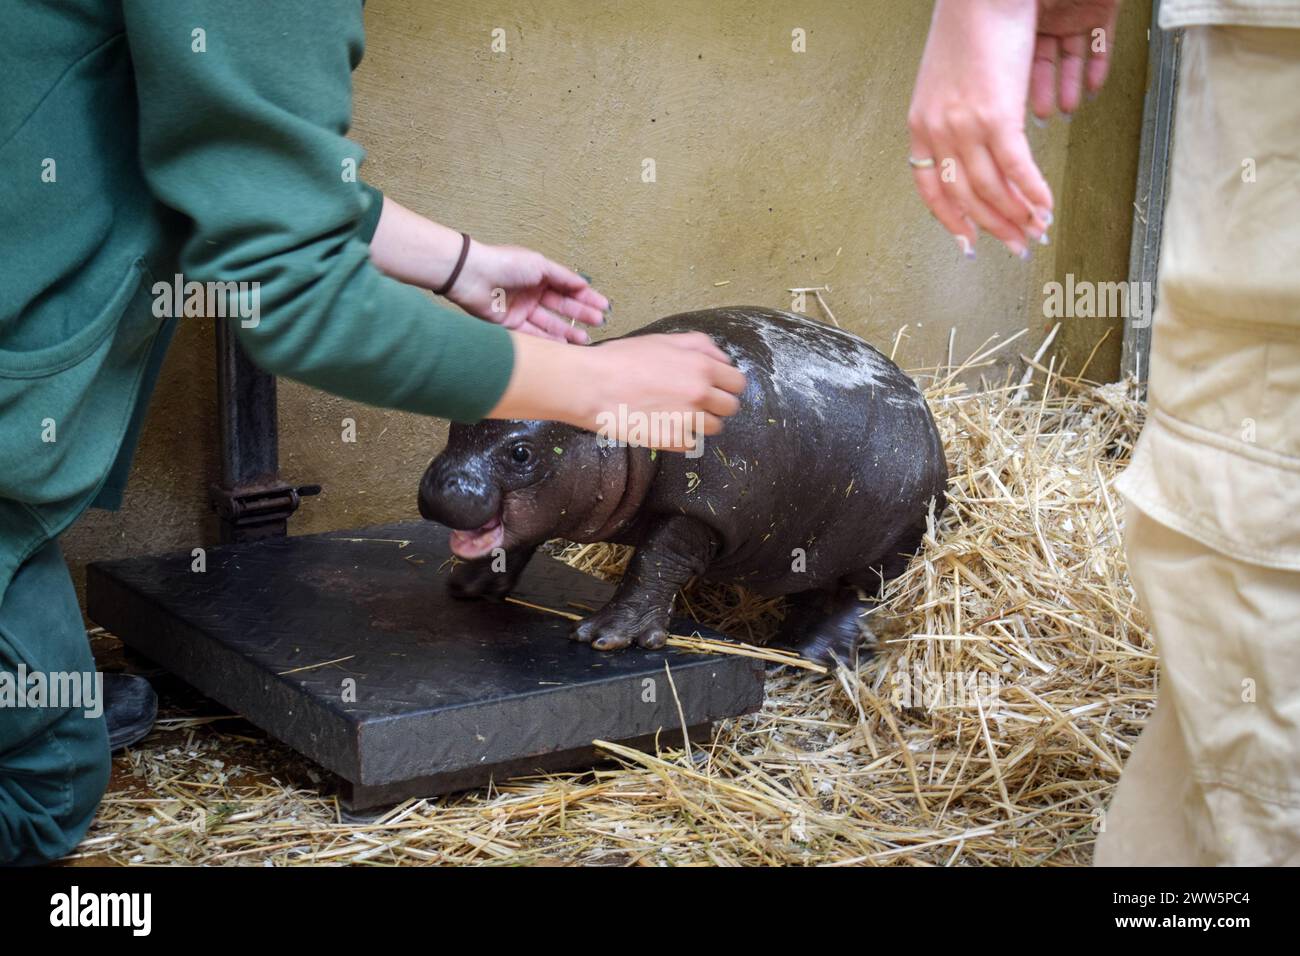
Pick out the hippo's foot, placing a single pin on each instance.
(616, 626)
(825, 627)
(489, 578)
(669, 553)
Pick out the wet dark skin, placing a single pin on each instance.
(818, 488)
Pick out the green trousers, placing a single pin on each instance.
(54, 762)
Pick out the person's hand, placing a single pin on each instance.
(970, 156)
(674, 387)
(1072, 53)
(525, 291)
(514, 287)
(983, 58)
(666, 375)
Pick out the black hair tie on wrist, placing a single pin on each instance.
(460, 264)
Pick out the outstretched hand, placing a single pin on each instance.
(523, 290)
(509, 285)
(983, 60)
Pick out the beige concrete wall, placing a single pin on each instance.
(773, 169)
(1094, 196)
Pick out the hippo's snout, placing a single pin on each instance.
(457, 497)
(466, 502)
(495, 484)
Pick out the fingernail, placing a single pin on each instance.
(1043, 240)
(1046, 216)
(964, 244)
(1038, 121)
(1024, 254)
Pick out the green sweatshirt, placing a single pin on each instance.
(146, 138)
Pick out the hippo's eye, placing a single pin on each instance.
(520, 454)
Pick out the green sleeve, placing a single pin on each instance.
(244, 107)
(370, 221)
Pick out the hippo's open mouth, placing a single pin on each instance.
(471, 545)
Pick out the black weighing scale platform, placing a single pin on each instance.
(348, 647)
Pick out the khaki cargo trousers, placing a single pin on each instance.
(1213, 493)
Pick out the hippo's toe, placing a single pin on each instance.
(615, 628)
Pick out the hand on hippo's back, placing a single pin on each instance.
(683, 374)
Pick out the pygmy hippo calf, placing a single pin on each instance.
(818, 489)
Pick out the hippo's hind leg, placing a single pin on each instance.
(825, 626)
(871, 581)
(492, 577)
(831, 624)
(904, 549)
(669, 554)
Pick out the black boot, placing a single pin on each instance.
(130, 707)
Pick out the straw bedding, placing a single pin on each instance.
(1011, 677)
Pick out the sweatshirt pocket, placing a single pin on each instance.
(63, 407)
(36, 363)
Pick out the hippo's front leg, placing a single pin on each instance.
(494, 576)
(671, 552)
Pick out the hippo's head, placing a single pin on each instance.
(510, 484)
